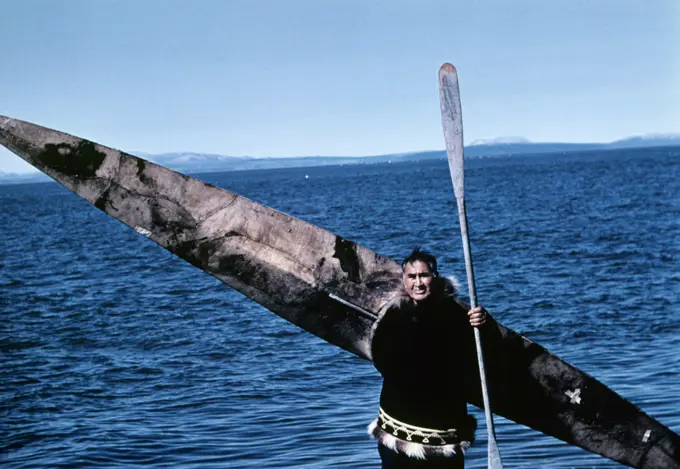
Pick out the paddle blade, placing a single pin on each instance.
(452, 122)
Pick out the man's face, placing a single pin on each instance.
(418, 280)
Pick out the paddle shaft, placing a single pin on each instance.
(452, 122)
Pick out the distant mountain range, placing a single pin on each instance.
(188, 162)
(505, 146)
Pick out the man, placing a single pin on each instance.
(421, 344)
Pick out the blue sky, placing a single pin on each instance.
(323, 77)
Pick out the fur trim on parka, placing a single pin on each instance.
(418, 450)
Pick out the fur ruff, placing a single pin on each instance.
(414, 450)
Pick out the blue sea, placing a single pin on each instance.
(117, 354)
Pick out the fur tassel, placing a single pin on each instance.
(411, 449)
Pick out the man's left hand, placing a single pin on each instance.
(478, 316)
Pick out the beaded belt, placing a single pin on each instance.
(427, 436)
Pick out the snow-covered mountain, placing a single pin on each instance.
(498, 141)
(648, 140)
(197, 162)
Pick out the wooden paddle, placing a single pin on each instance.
(452, 121)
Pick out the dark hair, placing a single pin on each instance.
(423, 256)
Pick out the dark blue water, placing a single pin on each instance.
(116, 354)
